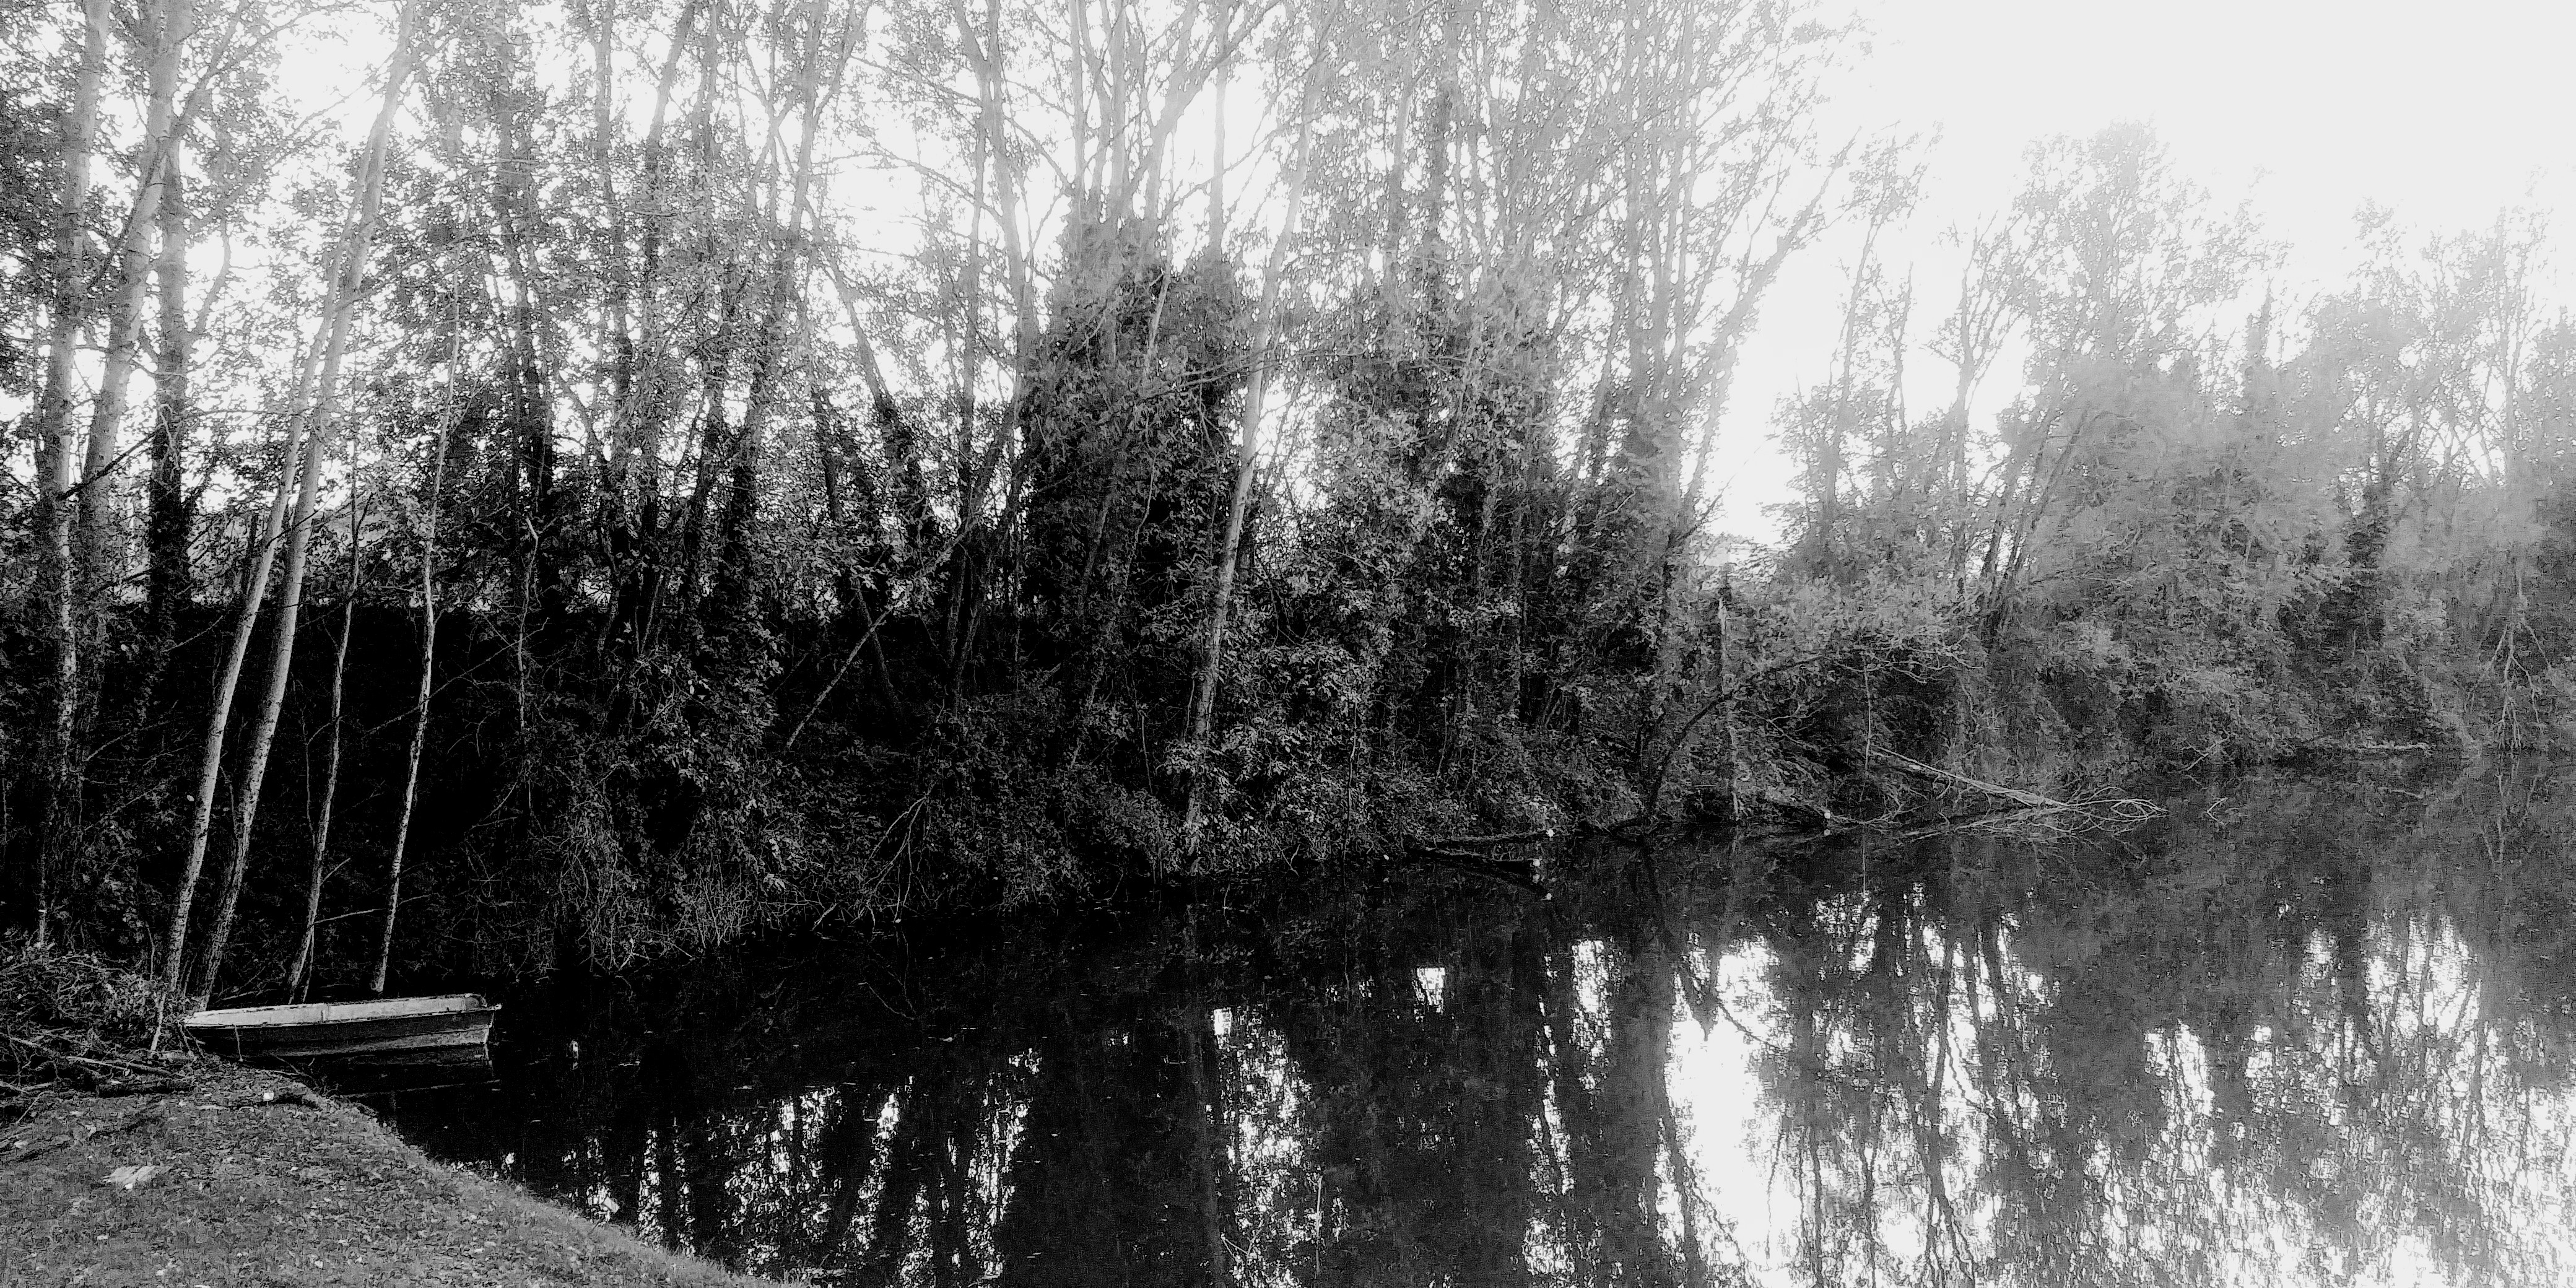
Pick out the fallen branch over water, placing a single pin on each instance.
(1490, 838)
(2026, 806)
(1517, 872)
(1950, 823)
(1908, 764)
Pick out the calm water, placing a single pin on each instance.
(2303, 1030)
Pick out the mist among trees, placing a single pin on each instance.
(626, 475)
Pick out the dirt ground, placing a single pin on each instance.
(264, 1182)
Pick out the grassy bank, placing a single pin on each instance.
(262, 1182)
(123, 1167)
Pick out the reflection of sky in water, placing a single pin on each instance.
(2440, 1161)
(2320, 1039)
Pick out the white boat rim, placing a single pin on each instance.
(392, 1008)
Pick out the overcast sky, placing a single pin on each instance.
(2445, 113)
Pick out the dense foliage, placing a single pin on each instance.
(757, 465)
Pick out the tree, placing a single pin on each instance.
(332, 339)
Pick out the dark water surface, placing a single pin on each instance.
(2304, 1030)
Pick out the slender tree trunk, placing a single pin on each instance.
(965, 352)
(254, 588)
(420, 699)
(338, 312)
(56, 446)
(99, 551)
(281, 660)
(997, 184)
(1203, 692)
(621, 283)
(295, 974)
(637, 437)
(1954, 465)
(1825, 554)
(634, 482)
(167, 580)
(124, 338)
(769, 346)
(847, 583)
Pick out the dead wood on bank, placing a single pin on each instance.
(1518, 872)
(2019, 806)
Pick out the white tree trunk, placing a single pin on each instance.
(338, 312)
(57, 443)
(420, 700)
(125, 316)
(296, 974)
(210, 758)
(1203, 692)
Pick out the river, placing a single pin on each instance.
(2301, 1029)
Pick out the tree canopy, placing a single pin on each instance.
(756, 463)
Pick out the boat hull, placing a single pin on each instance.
(403, 1031)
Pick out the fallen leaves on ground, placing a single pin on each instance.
(249, 1179)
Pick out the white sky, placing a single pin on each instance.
(2444, 113)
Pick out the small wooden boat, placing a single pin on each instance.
(406, 1029)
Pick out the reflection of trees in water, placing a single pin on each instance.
(2305, 1044)
(1417, 1111)
(2303, 1032)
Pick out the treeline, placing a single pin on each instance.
(666, 469)
(2208, 526)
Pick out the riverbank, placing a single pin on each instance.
(248, 1178)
